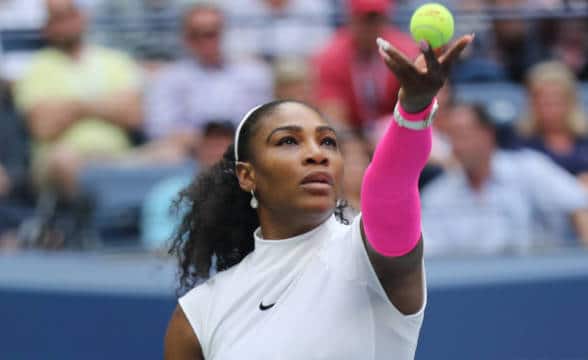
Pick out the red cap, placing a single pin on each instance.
(359, 7)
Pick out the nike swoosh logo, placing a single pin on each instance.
(265, 307)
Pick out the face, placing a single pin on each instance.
(472, 143)
(365, 28)
(212, 148)
(296, 167)
(551, 105)
(293, 90)
(277, 4)
(65, 25)
(203, 34)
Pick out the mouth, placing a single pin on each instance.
(319, 183)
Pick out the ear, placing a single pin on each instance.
(245, 175)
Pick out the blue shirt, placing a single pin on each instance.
(526, 203)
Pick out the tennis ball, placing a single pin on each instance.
(432, 22)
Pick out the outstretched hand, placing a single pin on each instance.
(421, 80)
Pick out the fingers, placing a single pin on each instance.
(394, 58)
(453, 53)
(433, 65)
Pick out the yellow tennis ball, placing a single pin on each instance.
(432, 22)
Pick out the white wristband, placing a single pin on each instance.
(412, 124)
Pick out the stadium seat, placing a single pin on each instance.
(118, 194)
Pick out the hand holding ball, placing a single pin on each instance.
(433, 23)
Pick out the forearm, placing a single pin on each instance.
(47, 120)
(122, 109)
(390, 199)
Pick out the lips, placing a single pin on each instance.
(318, 178)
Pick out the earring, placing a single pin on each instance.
(253, 203)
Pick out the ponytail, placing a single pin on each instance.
(218, 222)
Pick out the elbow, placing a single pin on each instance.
(135, 119)
(134, 114)
(43, 133)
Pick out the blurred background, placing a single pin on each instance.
(109, 108)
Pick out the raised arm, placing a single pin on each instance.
(390, 205)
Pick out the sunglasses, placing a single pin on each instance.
(200, 34)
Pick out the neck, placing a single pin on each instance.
(73, 51)
(212, 64)
(560, 141)
(478, 175)
(278, 226)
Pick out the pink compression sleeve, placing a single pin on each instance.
(390, 202)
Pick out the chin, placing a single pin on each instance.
(317, 206)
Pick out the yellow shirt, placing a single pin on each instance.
(99, 72)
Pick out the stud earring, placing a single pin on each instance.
(253, 203)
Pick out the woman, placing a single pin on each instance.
(555, 123)
(305, 286)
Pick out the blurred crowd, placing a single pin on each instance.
(109, 108)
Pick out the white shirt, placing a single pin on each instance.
(526, 203)
(329, 303)
(185, 95)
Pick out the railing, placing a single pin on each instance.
(108, 28)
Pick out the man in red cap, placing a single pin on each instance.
(353, 86)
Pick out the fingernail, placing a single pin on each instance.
(383, 54)
(383, 44)
(423, 45)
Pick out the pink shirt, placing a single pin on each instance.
(368, 89)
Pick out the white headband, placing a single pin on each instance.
(243, 121)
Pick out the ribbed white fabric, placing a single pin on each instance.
(328, 301)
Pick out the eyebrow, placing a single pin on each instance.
(296, 128)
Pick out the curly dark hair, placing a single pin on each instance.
(219, 222)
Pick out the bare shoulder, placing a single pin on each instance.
(180, 341)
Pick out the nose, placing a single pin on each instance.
(316, 155)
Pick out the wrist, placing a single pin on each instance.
(415, 121)
(419, 115)
(414, 104)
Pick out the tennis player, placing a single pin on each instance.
(295, 280)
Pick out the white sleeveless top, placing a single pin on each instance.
(313, 296)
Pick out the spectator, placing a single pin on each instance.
(158, 222)
(13, 152)
(571, 45)
(356, 157)
(555, 123)
(277, 28)
(203, 86)
(507, 50)
(498, 201)
(353, 85)
(80, 100)
(15, 204)
(292, 80)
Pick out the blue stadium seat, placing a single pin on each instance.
(118, 194)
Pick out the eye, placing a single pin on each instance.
(287, 140)
(329, 141)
